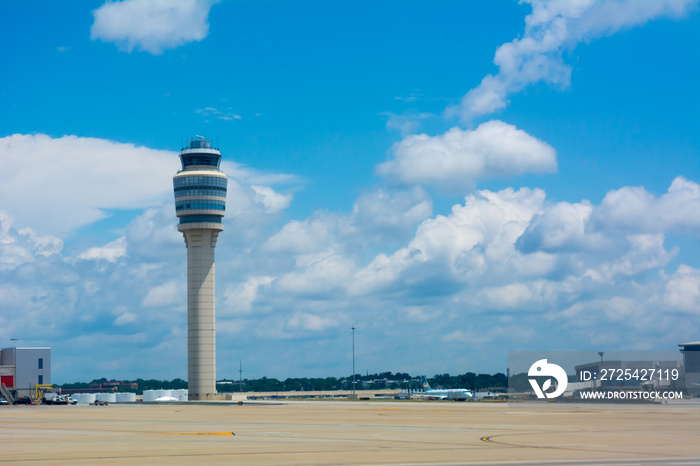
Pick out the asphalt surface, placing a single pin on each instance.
(351, 432)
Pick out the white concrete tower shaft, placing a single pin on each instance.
(200, 202)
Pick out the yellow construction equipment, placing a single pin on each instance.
(39, 390)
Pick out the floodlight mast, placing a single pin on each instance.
(353, 362)
(200, 202)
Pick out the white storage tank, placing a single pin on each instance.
(180, 395)
(126, 397)
(107, 397)
(158, 395)
(87, 398)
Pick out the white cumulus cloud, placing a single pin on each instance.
(109, 252)
(164, 295)
(391, 211)
(55, 185)
(20, 247)
(459, 157)
(240, 298)
(125, 318)
(633, 208)
(475, 241)
(320, 276)
(303, 237)
(271, 200)
(683, 290)
(552, 28)
(560, 228)
(311, 322)
(151, 25)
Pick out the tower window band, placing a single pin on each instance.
(196, 204)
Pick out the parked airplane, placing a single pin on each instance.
(459, 394)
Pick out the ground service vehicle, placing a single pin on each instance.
(56, 399)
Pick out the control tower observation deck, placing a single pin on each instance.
(200, 202)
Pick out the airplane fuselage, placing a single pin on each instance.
(449, 394)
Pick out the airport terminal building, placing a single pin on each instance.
(691, 358)
(21, 369)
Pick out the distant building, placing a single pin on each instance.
(21, 369)
(114, 385)
(691, 357)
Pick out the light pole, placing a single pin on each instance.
(353, 362)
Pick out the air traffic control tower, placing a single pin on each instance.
(200, 201)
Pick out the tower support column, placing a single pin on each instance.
(201, 329)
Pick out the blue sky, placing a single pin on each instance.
(456, 179)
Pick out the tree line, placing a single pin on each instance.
(383, 380)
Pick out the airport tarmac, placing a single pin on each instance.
(351, 432)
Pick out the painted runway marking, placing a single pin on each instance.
(197, 433)
(489, 439)
(495, 442)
